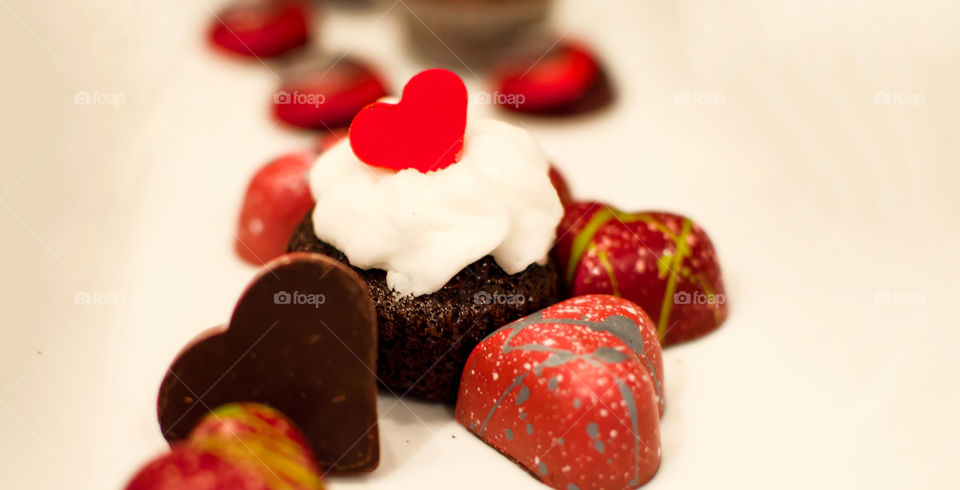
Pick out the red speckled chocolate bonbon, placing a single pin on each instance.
(573, 393)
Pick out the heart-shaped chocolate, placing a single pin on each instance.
(303, 340)
(424, 130)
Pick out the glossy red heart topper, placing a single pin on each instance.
(423, 131)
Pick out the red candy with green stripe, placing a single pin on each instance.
(187, 467)
(239, 446)
(663, 262)
(257, 436)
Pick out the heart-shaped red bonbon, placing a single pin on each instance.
(327, 95)
(262, 28)
(423, 131)
(567, 79)
(573, 393)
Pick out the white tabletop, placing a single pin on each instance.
(835, 216)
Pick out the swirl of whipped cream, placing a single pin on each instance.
(423, 228)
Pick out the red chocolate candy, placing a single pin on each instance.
(193, 468)
(237, 446)
(567, 79)
(277, 199)
(261, 438)
(572, 393)
(425, 130)
(303, 340)
(663, 262)
(262, 28)
(328, 95)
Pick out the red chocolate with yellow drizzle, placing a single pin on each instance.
(240, 446)
(663, 262)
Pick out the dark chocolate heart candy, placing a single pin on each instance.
(303, 340)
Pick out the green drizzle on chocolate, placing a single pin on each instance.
(681, 252)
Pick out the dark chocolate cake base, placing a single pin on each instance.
(425, 340)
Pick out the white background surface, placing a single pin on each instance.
(819, 200)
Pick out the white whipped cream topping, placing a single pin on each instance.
(424, 228)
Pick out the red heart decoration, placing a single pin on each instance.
(423, 131)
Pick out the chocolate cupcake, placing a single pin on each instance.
(449, 223)
(426, 340)
(474, 31)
